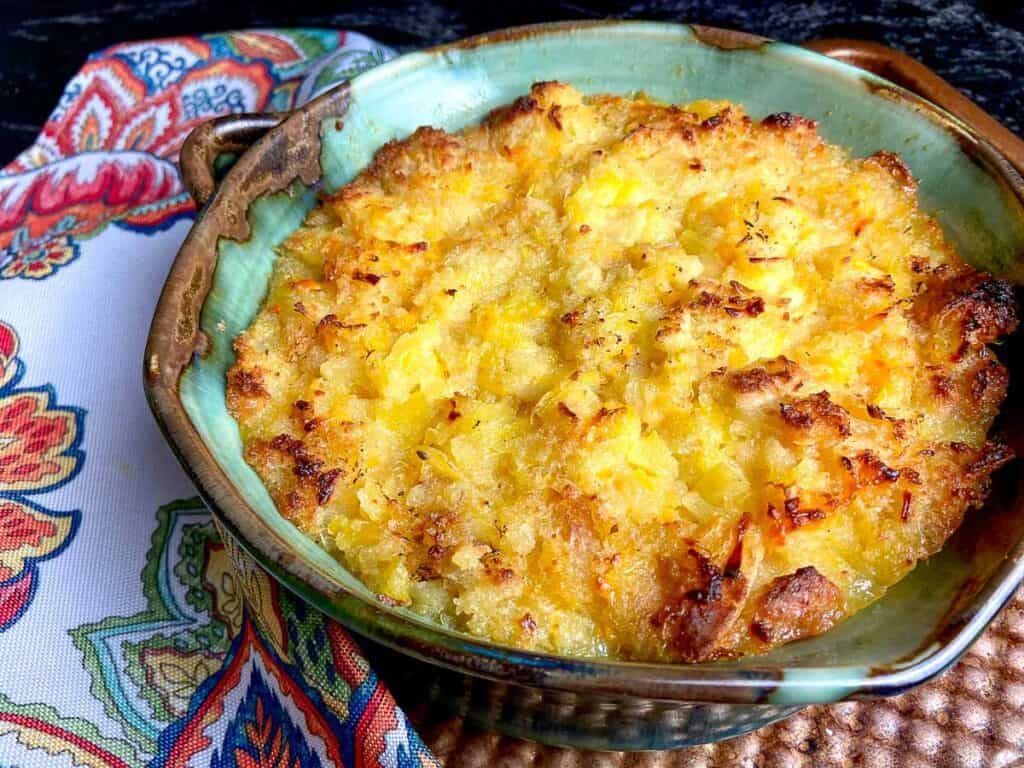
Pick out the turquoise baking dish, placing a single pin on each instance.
(218, 281)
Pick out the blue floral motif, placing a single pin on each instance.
(261, 731)
(69, 96)
(156, 64)
(213, 101)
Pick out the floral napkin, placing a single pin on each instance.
(131, 632)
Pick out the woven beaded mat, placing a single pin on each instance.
(970, 717)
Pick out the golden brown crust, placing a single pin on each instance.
(868, 469)
(798, 605)
(393, 161)
(696, 619)
(787, 121)
(981, 307)
(247, 383)
(993, 454)
(775, 373)
(818, 410)
(893, 164)
(609, 377)
(246, 389)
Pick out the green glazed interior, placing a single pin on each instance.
(456, 87)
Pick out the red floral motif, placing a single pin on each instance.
(27, 533)
(113, 109)
(41, 262)
(38, 442)
(268, 746)
(18, 528)
(42, 209)
(60, 738)
(14, 597)
(32, 441)
(109, 91)
(191, 741)
(134, 181)
(8, 354)
(108, 151)
(54, 191)
(257, 45)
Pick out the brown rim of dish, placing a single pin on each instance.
(290, 152)
(917, 78)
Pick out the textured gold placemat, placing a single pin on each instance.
(970, 717)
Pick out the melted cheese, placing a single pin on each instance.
(603, 376)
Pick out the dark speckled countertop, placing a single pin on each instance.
(978, 46)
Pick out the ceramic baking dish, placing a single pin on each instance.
(218, 281)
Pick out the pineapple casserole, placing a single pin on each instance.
(607, 377)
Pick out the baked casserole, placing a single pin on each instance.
(608, 377)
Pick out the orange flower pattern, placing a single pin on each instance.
(38, 452)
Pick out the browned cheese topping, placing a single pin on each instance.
(603, 376)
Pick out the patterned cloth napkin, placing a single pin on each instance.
(131, 632)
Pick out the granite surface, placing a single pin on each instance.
(978, 46)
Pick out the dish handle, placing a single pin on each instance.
(916, 77)
(208, 150)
